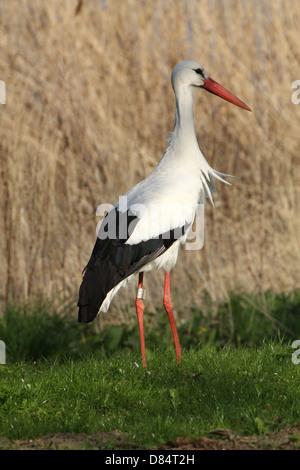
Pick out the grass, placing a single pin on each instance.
(250, 391)
(64, 377)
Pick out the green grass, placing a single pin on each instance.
(236, 373)
(249, 390)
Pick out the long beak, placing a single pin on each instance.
(214, 87)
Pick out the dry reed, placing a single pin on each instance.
(88, 108)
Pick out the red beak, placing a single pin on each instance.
(214, 87)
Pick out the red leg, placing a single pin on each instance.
(140, 314)
(169, 309)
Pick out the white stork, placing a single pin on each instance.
(147, 231)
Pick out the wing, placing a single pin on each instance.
(113, 260)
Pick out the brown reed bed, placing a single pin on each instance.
(88, 108)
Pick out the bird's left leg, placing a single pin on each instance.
(169, 309)
(140, 314)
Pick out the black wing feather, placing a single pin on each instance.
(113, 260)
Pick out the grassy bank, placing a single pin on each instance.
(236, 373)
(249, 390)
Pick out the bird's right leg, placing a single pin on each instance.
(140, 314)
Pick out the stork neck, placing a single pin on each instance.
(184, 117)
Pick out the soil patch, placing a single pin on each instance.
(219, 439)
(223, 439)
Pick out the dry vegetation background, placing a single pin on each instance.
(88, 107)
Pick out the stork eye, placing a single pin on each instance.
(199, 71)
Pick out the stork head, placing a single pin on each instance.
(191, 74)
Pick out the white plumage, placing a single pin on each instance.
(169, 196)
